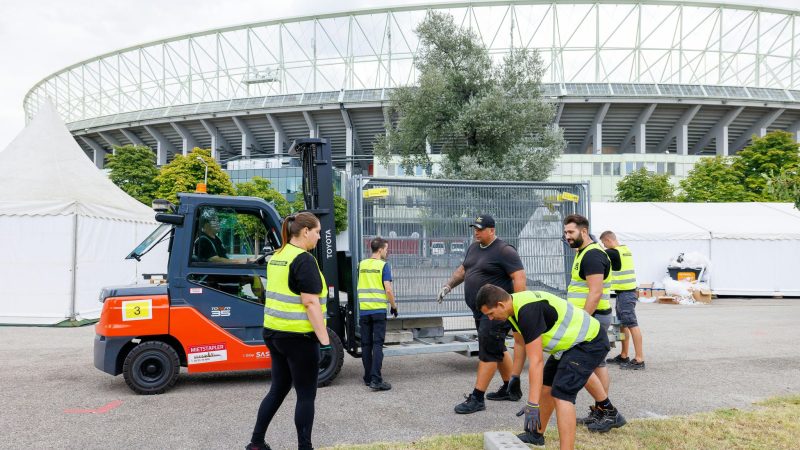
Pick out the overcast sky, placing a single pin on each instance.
(39, 37)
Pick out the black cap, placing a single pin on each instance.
(483, 221)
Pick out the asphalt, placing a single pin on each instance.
(699, 358)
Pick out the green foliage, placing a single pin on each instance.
(784, 187)
(261, 187)
(714, 180)
(133, 169)
(184, 172)
(489, 120)
(643, 186)
(339, 210)
(775, 152)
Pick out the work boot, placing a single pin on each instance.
(501, 394)
(514, 389)
(609, 418)
(633, 365)
(618, 360)
(261, 446)
(470, 405)
(594, 414)
(380, 386)
(534, 439)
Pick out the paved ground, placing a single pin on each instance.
(699, 358)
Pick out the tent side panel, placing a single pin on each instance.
(35, 270)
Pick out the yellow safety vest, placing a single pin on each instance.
(283, 309)
(371, 292)
(574, 325)
(624, 279)
(578, 290)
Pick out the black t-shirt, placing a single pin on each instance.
(303, 277)
(206, 247)
(490, 265)
(536, 318)
(613, 255)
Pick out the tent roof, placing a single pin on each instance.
(672, 221)
(47, 173)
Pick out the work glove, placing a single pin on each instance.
(325, 355)
(444, 291)
(532, 420)
(393, 311)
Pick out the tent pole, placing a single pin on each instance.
(73, 281)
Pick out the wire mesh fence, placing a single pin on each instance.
(426, 223)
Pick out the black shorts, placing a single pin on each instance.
(568, 375)
(491, 338)
(626, 309)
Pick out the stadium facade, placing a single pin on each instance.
(653, 84)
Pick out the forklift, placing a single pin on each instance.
(208, 315)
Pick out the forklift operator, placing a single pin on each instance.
(208, 246)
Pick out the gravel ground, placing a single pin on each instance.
(699, 358)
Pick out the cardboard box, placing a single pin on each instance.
(645, 290)
(659, 293)
(667, 300)
(702, 295)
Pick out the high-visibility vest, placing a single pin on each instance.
(371, 292)
(578, 289)
(624, 279)
(283, 309)
(574, 325)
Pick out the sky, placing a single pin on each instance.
(39, 37)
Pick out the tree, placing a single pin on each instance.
(339, 210)
(714, 180)
(262, 188)
(133, 169)
(184, 172)
(777, 151)
(490, 120)
(784, 187)
(643, 186)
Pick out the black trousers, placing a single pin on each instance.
(295, 361)
(373, 335)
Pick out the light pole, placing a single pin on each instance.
(205, 179)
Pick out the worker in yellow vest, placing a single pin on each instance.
(623, 282)
(294, 328)
(577, 344)
(374, 293)
(589, 287)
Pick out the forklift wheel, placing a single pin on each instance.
(328, 373)
(151, 367)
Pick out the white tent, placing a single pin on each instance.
(752, 247)
(66, 228)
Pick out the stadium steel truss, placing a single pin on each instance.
(628, 77)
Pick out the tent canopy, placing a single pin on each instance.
(47, 173)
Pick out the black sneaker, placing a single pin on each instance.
(633, 365)
(514, 389)
(594, 414)
(501, 394)
(470, 405)
(252, 446)
(618, 360)
(535, 439)
(380, 386)
(608, 419)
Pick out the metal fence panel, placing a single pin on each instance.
(427, 225)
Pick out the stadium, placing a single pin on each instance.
(654, 84)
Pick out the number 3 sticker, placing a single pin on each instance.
(137, 310)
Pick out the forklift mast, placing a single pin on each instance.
(315, 158)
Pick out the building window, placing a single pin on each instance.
(639, 165)
(606, 168)
(598, 167)
(671, 168)
(629, 167)
(661, 168)
(617, 168)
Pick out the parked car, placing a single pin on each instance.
(437, 248)
(457, 247)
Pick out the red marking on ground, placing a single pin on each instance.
(760, 333)
(100, 410)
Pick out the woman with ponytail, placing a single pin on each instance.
(294, 328)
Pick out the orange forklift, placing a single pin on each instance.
(208, 316)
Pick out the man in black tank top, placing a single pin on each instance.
(488, 260)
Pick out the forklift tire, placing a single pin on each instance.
(331, 371)
(151, 368)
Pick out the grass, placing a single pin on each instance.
(771, 424)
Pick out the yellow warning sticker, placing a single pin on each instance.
(376, 192)
(568, 197)
(137, 310)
